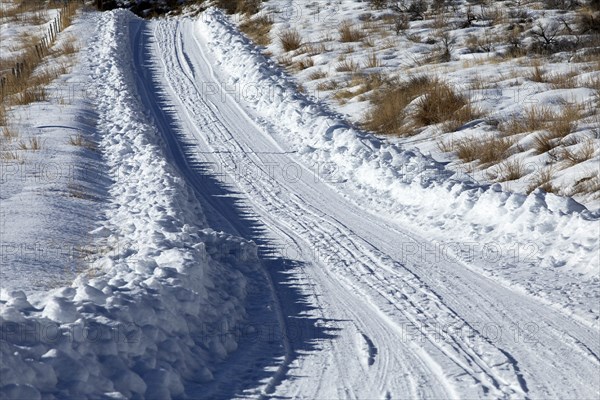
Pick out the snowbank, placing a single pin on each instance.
(402, 183)
(138, 326)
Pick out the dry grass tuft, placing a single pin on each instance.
(489, 150)
(347, 66)
(258, 29)
(533, 119)
(564, 123)
(389, 102)
(584, 152)
(565, 80)
(509, 170)
(80, 141)
(303, 64)
(372, 61)
(312, 49)
(290, 40)
(317, 75)
(543, 180)
(328, 85)
(348, 33)
(538, 74)
(9, 133)
(30, 95)
(439, 104)
(285, 61)
(32, 144)
(544, 142)
(589, 184)
(465, 114)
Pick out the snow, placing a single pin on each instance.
(114, 330)
(402, 277)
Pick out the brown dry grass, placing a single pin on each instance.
(538, 74)
(372, 61)
(589, 184)
(258, 29)
(290, 40)
(32, 144)
(542, 180)
(532, 119)
(303, 64)
(508, 170)
(490, 150)
(317, 75)
(347, 66)
(584, 151)
(439, 104)
(544, 142)
(565, 80)
(328, 85)
(389, 102)
(348, 33)
(313, 49)
(28, 86)
(459, 118)
(9, 133)
(80, 141)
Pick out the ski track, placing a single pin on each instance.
(355, 270)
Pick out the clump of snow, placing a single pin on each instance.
(134, 329)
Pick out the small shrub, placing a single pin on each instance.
(401, 23)
(588, 21)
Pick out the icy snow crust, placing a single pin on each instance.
(403, 183)
(139, 328)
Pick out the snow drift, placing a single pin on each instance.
(138, 328)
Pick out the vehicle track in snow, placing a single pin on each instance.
(359, 281)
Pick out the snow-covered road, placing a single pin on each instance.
(378, 320)
(256, 245)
